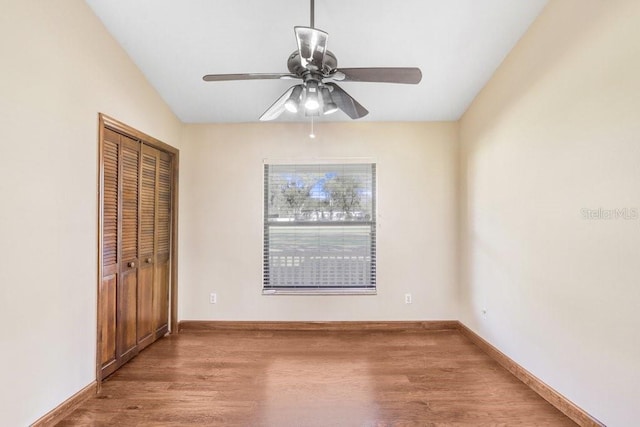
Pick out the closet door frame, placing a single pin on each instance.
(104, 122)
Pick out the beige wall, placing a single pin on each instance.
(59, 69)
(221, 219)
(556, 131)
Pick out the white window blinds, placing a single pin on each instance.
(319, 228)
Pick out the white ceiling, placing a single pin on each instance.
(457, 44)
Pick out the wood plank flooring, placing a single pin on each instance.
(314, 378)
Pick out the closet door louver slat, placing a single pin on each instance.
(110, 205)
(130, 159)
(148, 204)
(164, 205)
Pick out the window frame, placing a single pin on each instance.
(373, 223)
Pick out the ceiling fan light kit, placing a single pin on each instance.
(293, 101)
(318, 94)
(330, 107)
(311, 102)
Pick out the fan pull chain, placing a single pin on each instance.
(312, 135)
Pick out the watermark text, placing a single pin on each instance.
(602, 214)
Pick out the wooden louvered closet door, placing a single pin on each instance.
(128, 286)
(148, 206)
(155, 230)
(107, 301)
(133, 299)
(163, 246)
(119, 285)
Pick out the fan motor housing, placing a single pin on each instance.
(295, 65)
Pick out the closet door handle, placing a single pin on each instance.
(148, 260)
(132, 264)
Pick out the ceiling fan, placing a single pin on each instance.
(318, 69)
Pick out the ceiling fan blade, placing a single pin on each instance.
(277, 107)
(248, 76)
(380, 75)
(346, 103)
(312, 44)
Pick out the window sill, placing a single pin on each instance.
(319, 292)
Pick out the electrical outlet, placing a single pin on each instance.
(407, 299)
(213, 298)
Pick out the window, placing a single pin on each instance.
(319, 228)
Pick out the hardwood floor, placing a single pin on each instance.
(314, 378)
